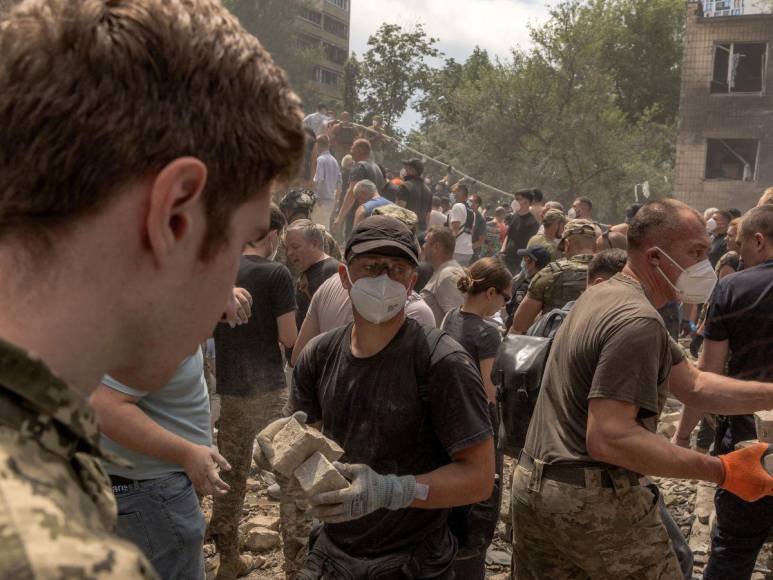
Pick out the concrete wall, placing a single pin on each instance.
(705, 115)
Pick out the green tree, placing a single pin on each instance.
(273, 23)
(352, 79)
(395, 69)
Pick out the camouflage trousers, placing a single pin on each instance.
(569, 532)
(294, 526)
(241, 418)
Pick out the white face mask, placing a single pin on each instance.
(695, 284)
(572, 213)
(377, 299)
(711, 225)
(403, 174)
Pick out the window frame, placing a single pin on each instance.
(755, 170)
(764, 67)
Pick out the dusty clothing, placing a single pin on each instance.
(57, 509)
(550, 245)
(393, 429)
(441, 292)
(241, 419)
(597, 353)
(248, 356)
(294, 525)
(309, 282)
(564, 531)
(560, 282)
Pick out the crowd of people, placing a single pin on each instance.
(136, 216)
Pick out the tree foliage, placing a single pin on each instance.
(352, 79)
(395, 69)
(578, 113)
(273, 23)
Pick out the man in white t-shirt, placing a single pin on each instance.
(436, 216)
(317, 121)
(461, 220)
(331, 307)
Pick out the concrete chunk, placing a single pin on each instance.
(318, 475)
(764, 422)
(295, 443)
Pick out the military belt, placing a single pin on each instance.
(580, 476)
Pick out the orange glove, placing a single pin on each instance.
(745, 475)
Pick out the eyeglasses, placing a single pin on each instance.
(505, 295)
(395, 270)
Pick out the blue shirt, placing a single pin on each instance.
(181, 407)
(372, 204)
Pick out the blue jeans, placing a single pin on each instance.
(163, 518)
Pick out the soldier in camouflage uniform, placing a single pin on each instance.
(297, 204)
(553, 228)
(131, 175)
(57, 509)
(562, 281)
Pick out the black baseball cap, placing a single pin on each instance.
(539, 254)
(383, 235)
(416, 163)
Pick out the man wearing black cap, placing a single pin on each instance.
(414, 193)
(407, 404)
(534, 258)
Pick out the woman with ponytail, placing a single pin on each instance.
(486, 289)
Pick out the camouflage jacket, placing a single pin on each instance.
(57, 509)
(560, 282)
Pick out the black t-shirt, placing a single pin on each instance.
(309, 282)
(477, 336)
(520, 230)
(367, 170)
(478, 228)
(417, 198)
(248, 359)
(373, 409)
(741, 312)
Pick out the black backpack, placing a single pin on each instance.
(517, 374)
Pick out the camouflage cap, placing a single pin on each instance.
(579, 227)
(553, 216)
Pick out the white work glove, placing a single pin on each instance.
(266, 436)
(368, 492)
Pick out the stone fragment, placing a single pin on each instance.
(260, 540)
(497, 557)
(295, 443)
(704, 502)
(262, 521)
(317, 475)
(764, 423)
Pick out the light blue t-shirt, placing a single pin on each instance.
(181, 407)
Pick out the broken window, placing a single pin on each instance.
(738, 68)
(731, 159)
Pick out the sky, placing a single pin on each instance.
(459, 25)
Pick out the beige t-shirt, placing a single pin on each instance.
(613, 345)
(331, 307)
(441, 292)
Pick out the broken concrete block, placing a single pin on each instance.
(260, 540)
(318, 475)
(262, 521)
(295, 443)
(764, 422)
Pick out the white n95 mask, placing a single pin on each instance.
(377, 299)
(695, 284)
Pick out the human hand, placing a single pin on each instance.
(368, 492)
(745, 474)
(238, 309)
(266, 436)
(202, 464)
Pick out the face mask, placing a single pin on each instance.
(377, 299)
(695, 284)
(572, 213)
(711, 225)
(403, 174)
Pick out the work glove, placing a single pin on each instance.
(368, 492)
(266, 436)
(745, 474)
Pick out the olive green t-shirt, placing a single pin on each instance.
(613, 345)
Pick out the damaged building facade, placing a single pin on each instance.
(725, 144)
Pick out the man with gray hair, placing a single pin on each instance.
(305, 242)
(366, 194)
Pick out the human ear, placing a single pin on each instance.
(174, 195)
(344, 275)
